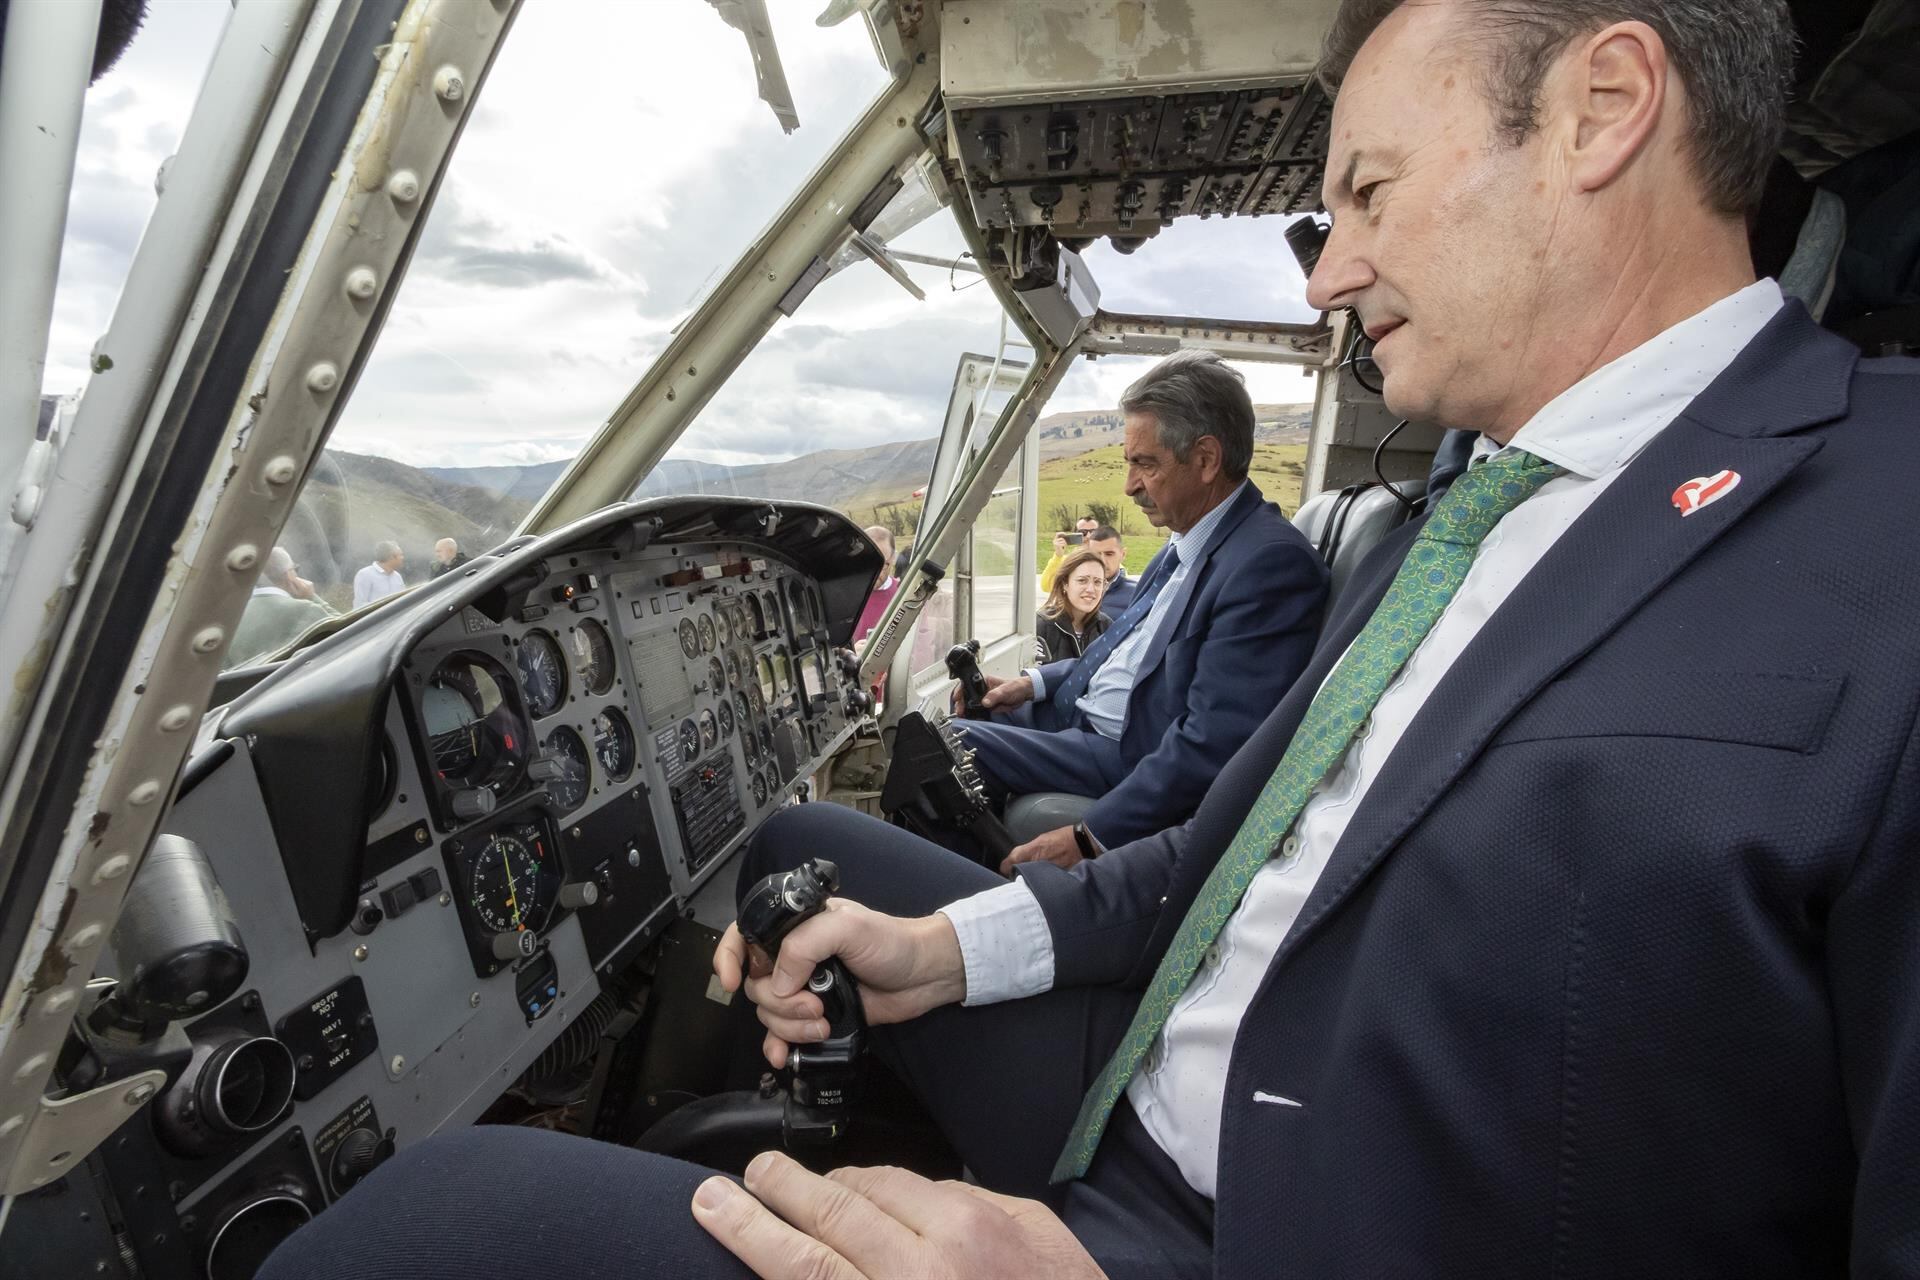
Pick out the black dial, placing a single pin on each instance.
(707, 636)
(757, 616)
(568, 790)
(613, 744)
(593, 656)
(726, 719)
(475, 734)
(717, 676)
(505, 891)
(709, 731)
(758, 698)
(543, 673)
(733, 667)
(759, 789)
(689, 741)
(749, 744)
(723, 624)
(689, 639)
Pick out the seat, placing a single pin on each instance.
(1346, 525)
(1030, 816)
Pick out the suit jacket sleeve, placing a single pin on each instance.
(1103, 915)
(1258, 638)
(1873, 961)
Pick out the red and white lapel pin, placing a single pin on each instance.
(1702, 490)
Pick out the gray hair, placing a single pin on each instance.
(385, 551)
(1192, 394)
(1735, 58)
(279, 564)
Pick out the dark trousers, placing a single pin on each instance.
(1003, 1082)
(1019, 759)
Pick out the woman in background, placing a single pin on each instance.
(1070, 620)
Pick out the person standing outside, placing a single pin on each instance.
(382, 578)
(1071, 619)
(885, 585)
(283, 605)
(1063, 547)
(447, 556)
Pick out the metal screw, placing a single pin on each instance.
(361, 282)
(243, 557)
(360, 952)
(398, 1065)
(207, 639)
(280, 471)
(323, 377)
(176, 718)
(450, 84)
(473, 1001)
(148, 791)
(139, 1094)
(446, 899)
(404, 186)
(420, 835)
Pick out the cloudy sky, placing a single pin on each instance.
(617, 161)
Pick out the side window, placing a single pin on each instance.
(995, 543)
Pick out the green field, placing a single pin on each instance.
(1101, 476)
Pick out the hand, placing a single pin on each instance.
(1057, 846)
(882, 1223)
(1004, 692)
(1060, 544)
(298, 587)
(905, 967)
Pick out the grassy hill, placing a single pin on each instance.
(1100, 476)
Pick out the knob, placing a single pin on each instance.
(356, 1156)
(546, 769)
(512, 946)
(474, 802)
(580, 894)
(367, 917)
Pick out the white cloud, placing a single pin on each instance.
(616, 162)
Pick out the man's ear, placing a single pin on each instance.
(1616, 89)
(1206, 455)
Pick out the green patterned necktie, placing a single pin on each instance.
(1435, 566)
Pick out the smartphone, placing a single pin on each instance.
(1073, 538)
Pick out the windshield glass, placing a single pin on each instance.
(599, 189)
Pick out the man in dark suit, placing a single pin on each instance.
(1564, 919)
(1214, 632)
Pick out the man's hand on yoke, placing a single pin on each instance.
(1056, 846)
(1006, 692)
(855, 1224)
(905, 967)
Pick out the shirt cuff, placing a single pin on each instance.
(1039, 683)
(1004, 943)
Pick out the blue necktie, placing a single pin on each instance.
(1150, 583)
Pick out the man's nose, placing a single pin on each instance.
(1340, 275)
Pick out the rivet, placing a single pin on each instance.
(33, 1067)
(420, 835)
(398, 1064)
(243, 557)
(11, 1125)
(473, 1001)
(207, 639)
(138, 1094)
(86, 935)
(112, 869)
(176, 718)
(446, 899)
(146, 792)
(58, 1002)
(323, 377)
(280, 470)
(404, 186)
(449, 84)
(360, 952)
(361, 282)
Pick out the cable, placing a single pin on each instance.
(1380, 475)
(1352, 361)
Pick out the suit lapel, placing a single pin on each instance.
(1631, 542)
(1249, 498)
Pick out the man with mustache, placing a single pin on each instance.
(1215, 630)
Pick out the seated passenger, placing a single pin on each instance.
(1071, 619)
(283, 605)
(1223, 620)
(1105, 542)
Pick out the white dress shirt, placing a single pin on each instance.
(1105, 701)
(374, 583)
(1594, 429)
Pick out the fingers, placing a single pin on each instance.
(835, 1214)
(831, 933)
(755, 1236)
(907, 1197)
(794, 1030)
(729, 958)
(775, 1050)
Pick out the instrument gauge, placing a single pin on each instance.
(726, 719)
(759, 789)
(717, 677)
(733, 668)
(568, 790)
(708, 638)
(709, 730)
(689, 741)
(800, 598)
(756, 614)
(475, 734)
(593, 656)
(505, 887)
(613, 744)
(543, 673)
(689, 639)
(723, 624)
(757, 698)
(773, 613)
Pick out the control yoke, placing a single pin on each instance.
(963, 664)
(824, 1076)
